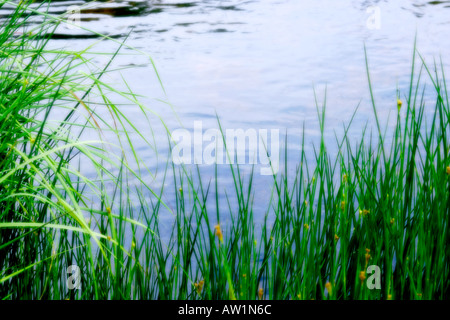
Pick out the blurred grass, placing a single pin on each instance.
(383, 201)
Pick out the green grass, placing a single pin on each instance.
(381, 201)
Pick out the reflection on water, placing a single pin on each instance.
(105, 9)
(97, 15)
(101, 13)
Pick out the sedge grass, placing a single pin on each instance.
(380, 201)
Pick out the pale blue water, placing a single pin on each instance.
(256, 63)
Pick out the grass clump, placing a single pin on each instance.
(50, 101)
(382, 201)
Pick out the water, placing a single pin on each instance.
(257, 63)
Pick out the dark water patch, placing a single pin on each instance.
(64, 36)
(155, 10)
(437, 2)
(220, 30)
(233, 8)
(88, 19)
(120, 9)
(180, 5)
(186, 24)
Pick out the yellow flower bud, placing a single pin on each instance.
(219, 233)
(362, 276)
(199, 286)
(260, 293)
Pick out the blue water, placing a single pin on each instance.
(257, 63)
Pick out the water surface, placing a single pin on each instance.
(257, 63)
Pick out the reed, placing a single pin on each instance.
(383, 201)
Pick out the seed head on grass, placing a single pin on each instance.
(336, 237)
(329, 288)
(199, 286)
(367, 256)
(260, 293)
(306, 226)
(399, 104)
(219, 232)
(448, 170)
(362, 276)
